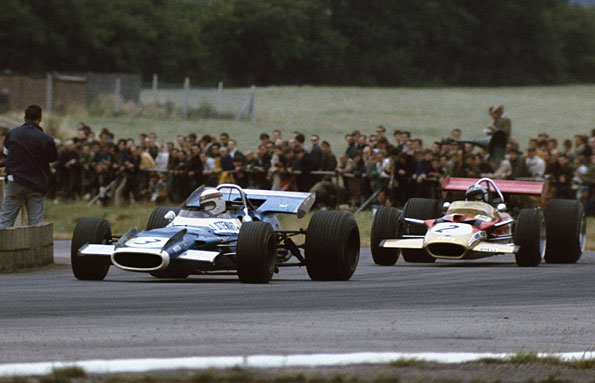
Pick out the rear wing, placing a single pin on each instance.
(264, 201)
(536, 188)
(276, 201)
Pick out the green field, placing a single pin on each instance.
(429, 113)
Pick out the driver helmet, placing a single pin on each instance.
(212, 202)
(476, 193)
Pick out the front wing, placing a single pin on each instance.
(480, 247)
(108, 250)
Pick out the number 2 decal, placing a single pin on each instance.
(449, 227)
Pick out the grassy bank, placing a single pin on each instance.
(429, 113)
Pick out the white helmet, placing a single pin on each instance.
(212, 202)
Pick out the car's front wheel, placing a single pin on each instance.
(420, 208)
(256, 253)
(384, 226)
(89, 230)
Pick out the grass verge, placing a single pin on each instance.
(532, 357)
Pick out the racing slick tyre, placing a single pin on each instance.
(384, 226)
(256, 253)
(89, 230)
(420, 208)
(156, 219)
(332, 246)
(566, 231)
(530, 236)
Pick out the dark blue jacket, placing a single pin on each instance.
(30, 151)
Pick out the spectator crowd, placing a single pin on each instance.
(386, 169)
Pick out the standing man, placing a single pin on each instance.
(501, 121)
(535, 164)
(316, 154)
(30, 150)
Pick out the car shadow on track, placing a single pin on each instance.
(198, 280)
(473, 264)
(452, 264)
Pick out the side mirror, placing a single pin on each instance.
(170, 215)
(445, 206)
(501, 207)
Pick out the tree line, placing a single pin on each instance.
(330, 42)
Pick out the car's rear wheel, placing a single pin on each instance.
(256, 253)
(157, 220)
(530, 236)
(384, 226)
(89, 230)
(332, 246)
(420, 208)
(566, 231)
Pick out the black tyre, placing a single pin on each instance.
(256, 253)
(89, 230)
(332, 246)
(566, 231)
(156, 219)
(420, 208)
(530, 236)
(384, 226)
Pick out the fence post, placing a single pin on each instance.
(49, 94)
(156, 100)
(248, 111)
(118, 85)
(252, 100)
(219, 99)
(186, 95)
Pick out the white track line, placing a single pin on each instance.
(259, 361)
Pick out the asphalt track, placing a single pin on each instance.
(482, 306)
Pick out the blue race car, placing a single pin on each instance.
(222, 229)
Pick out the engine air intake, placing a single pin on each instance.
(446, 250)
(138, 260)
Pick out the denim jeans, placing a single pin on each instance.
(14, 197)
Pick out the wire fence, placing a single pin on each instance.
(232, 103)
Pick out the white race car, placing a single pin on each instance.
(480, 226)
